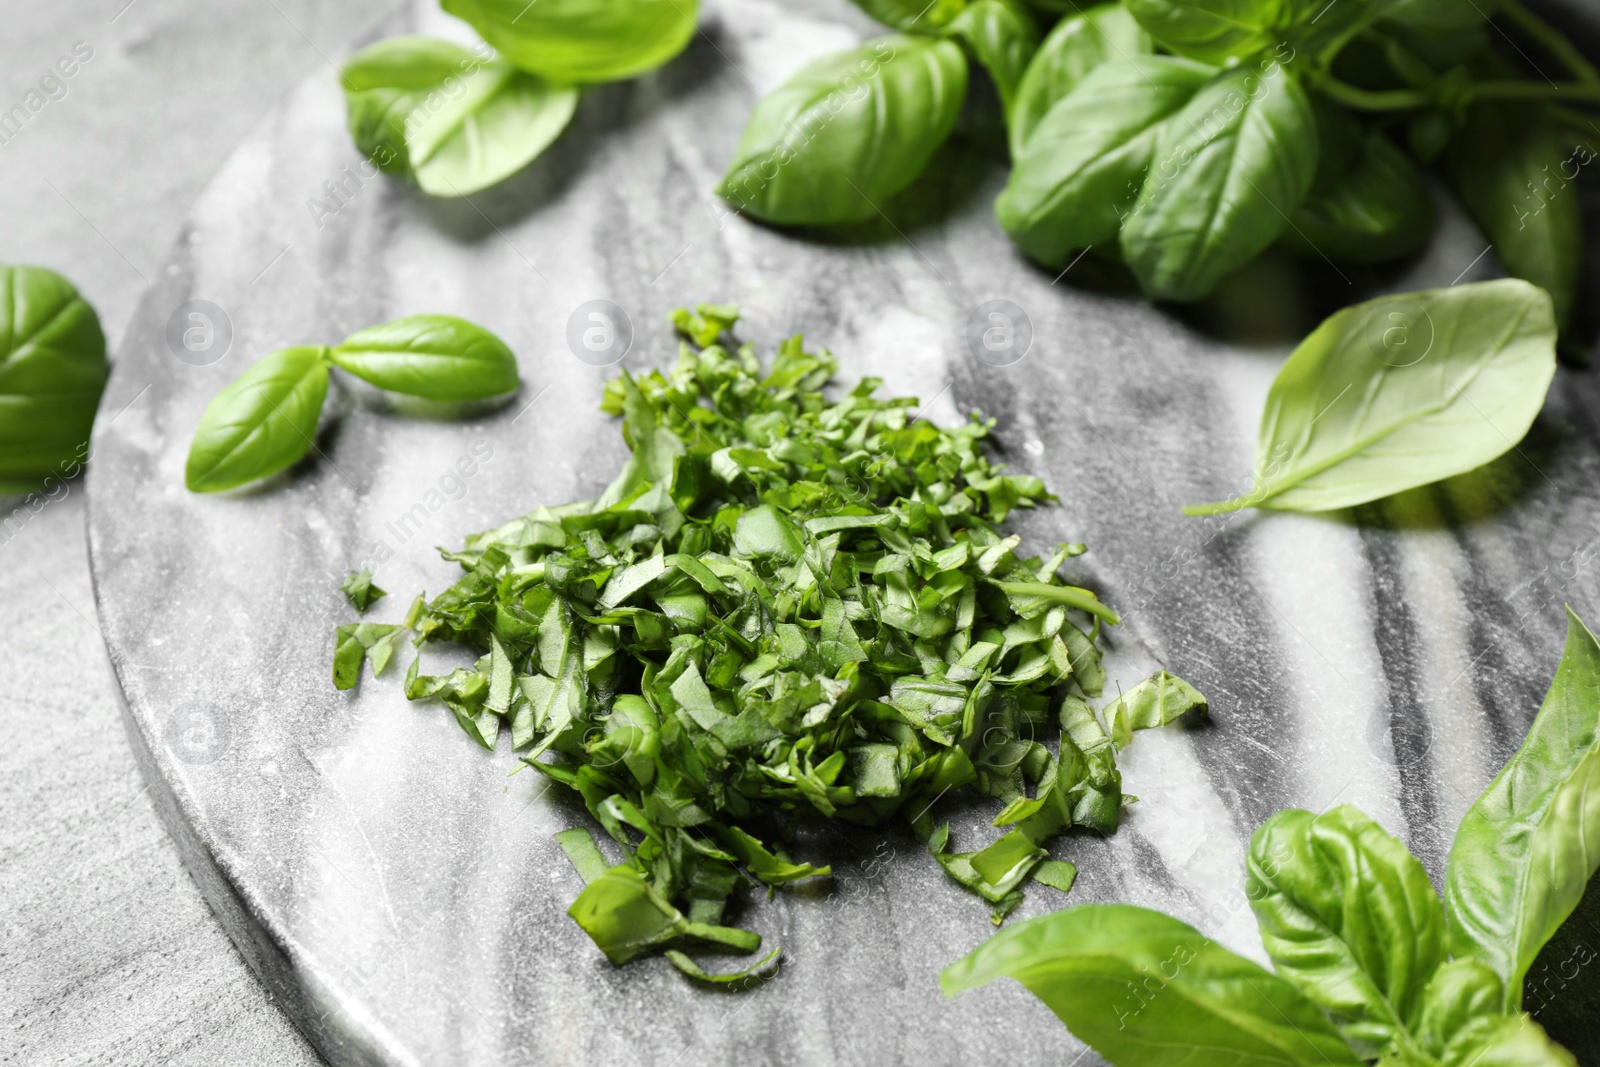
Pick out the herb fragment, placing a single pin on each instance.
(784, 607)
(360, 591)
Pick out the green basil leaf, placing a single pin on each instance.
(571, 41)
(1516, 172)
(913, 16)
(1228, 172)
(1142, 988)
(52, 371)
(1215, 30)
(355, 643)
(847, 132)
(1349, 918)
(445, 118)
(1460, 993)
(1004, 36)
(261, 423)
(1529, 845)
(439, 357)
(360, 590)
(1080, 170)
(1156, 701)
(1505, 1041)
(1378, 210)
(1075, 47)
(1400, 392)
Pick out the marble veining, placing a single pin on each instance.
(398, 887)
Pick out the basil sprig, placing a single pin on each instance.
(785, 606)
(52, 372)
(266, 420)
(1370, 964)
(1400, 392)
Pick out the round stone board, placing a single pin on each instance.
(398, 888)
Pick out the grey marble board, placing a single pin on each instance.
(398, 888)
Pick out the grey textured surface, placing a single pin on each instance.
(403, 895)
(107, 952)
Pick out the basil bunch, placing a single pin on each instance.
(455, 120)
(52, 372)
(1370, 964)
(1185, 137)
(266, 419)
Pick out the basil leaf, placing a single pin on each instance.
(570, 41)
(1510, 165)
(1529, 845)
(441, 116)
(913, 16)
(1348, 917)
(1378, 210)
(360, 591)
(584, 854)
(52, 371)
(439, 357)
(261, 423)
(1081, 167)
(1505, 1041)
(1075, 47)
(355, 643)
(1214, 30)
(1460, 993)
(1228, 172)
(1156, 701)
(1142, 988)
(1003, 37)
(1399, 392)
(847, 132)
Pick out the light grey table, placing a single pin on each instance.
(107, 953)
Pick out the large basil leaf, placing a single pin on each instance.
(1004, 36)
(1076, 178)
(434, 112)
(847, 132)
(1228, 171)
(1215, 30)
(261, 423)
(1515, 172)
(1077, 45)
(1399, 392)
(439, 357)
(1349, 918)
(1505, 1041)
(1377, 210)
(1143, 988)
(52, 371)
(913, 16)
(1529, 845)
(582, 40)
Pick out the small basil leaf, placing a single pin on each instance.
(1228, 172)
(1348, 917)
(1156, 701)
(1516, 173)
(1142, 988)
(438, 114)
(1505, 1041)
(1529, 845)
(1443, 33)
(913, 16)
(1079, 172)
(359, 589)
(1460, 992)
(439, 357)
(261, 423)
(1378, 210)
(847, 132)
(1076, 46)
(571, 41)
(354, 643)
(1214, 30)
(1004, 36)
(1400, 392)
(52, 371)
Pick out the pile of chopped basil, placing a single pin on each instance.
(783, 607)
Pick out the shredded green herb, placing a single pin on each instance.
(783, 607)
